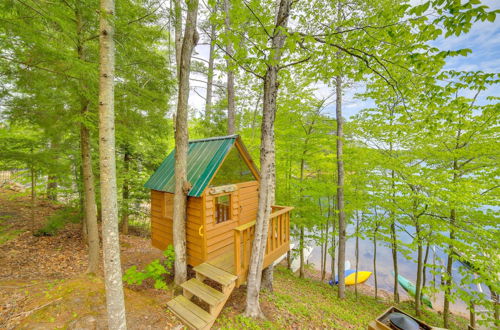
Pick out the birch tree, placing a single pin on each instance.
(111, 240)
(182, 186)
(267, 158)
(230, 74)
(91, 230)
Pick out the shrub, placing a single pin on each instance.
(58, 220)
(156, 270)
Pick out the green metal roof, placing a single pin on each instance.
(204, 158)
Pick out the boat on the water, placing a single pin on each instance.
(350, 277)
(411, 289)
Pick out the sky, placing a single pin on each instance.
(483, 39)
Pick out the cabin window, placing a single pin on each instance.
(222, 208)
(233, 170)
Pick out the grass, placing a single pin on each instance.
(307, 303)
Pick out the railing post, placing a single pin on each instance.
(246, 238)
(280, 230)
(237, 253)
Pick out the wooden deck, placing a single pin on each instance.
(237, 260)
(224, 262)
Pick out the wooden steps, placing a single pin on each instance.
(190, 313)
(215, 274)
(206, 293)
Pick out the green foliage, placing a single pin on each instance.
(57, 46)
(156, 270)
(58, 220)
(398, 155)
(308, 303)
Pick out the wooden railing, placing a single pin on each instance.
(278, 241)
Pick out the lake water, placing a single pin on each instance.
(407, 268)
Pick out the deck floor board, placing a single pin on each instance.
(224, 262)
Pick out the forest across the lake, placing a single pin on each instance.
(377, 121)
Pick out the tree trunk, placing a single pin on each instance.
(495, 298)
(254, 120)
(268, 278)
(301, 227)
(449, 273)
(230, 75)
(394, 250)
(340, 188)
(289, 259)
(78, 169)
(267, 163)
(52, 187)
(322, 249)
(268, 272)
(424, 271)
(449, 264)
(125, 192)
(52, 177)
(356, 252)
(323, 275)
(418, 284)
(33, 195)
(301, 249)
(111, 244)
(182, 186)
(375, 261)
(210, 73)
(89, 208)
(178, 34)
(472, 316)
(434, 268)
(334, 246)
(91, 230)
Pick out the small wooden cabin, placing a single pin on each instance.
(221, 213)
(221, 205)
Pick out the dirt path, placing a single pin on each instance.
(42, 279)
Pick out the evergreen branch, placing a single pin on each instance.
(39, 67)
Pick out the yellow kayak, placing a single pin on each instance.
(362, 277)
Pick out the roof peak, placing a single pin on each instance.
(215, 138)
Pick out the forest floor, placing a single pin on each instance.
(43, 285)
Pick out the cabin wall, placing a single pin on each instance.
(161, 225)
(220, 237)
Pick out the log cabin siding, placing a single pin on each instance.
(216, 239)
(161, 225)
(220, 237)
